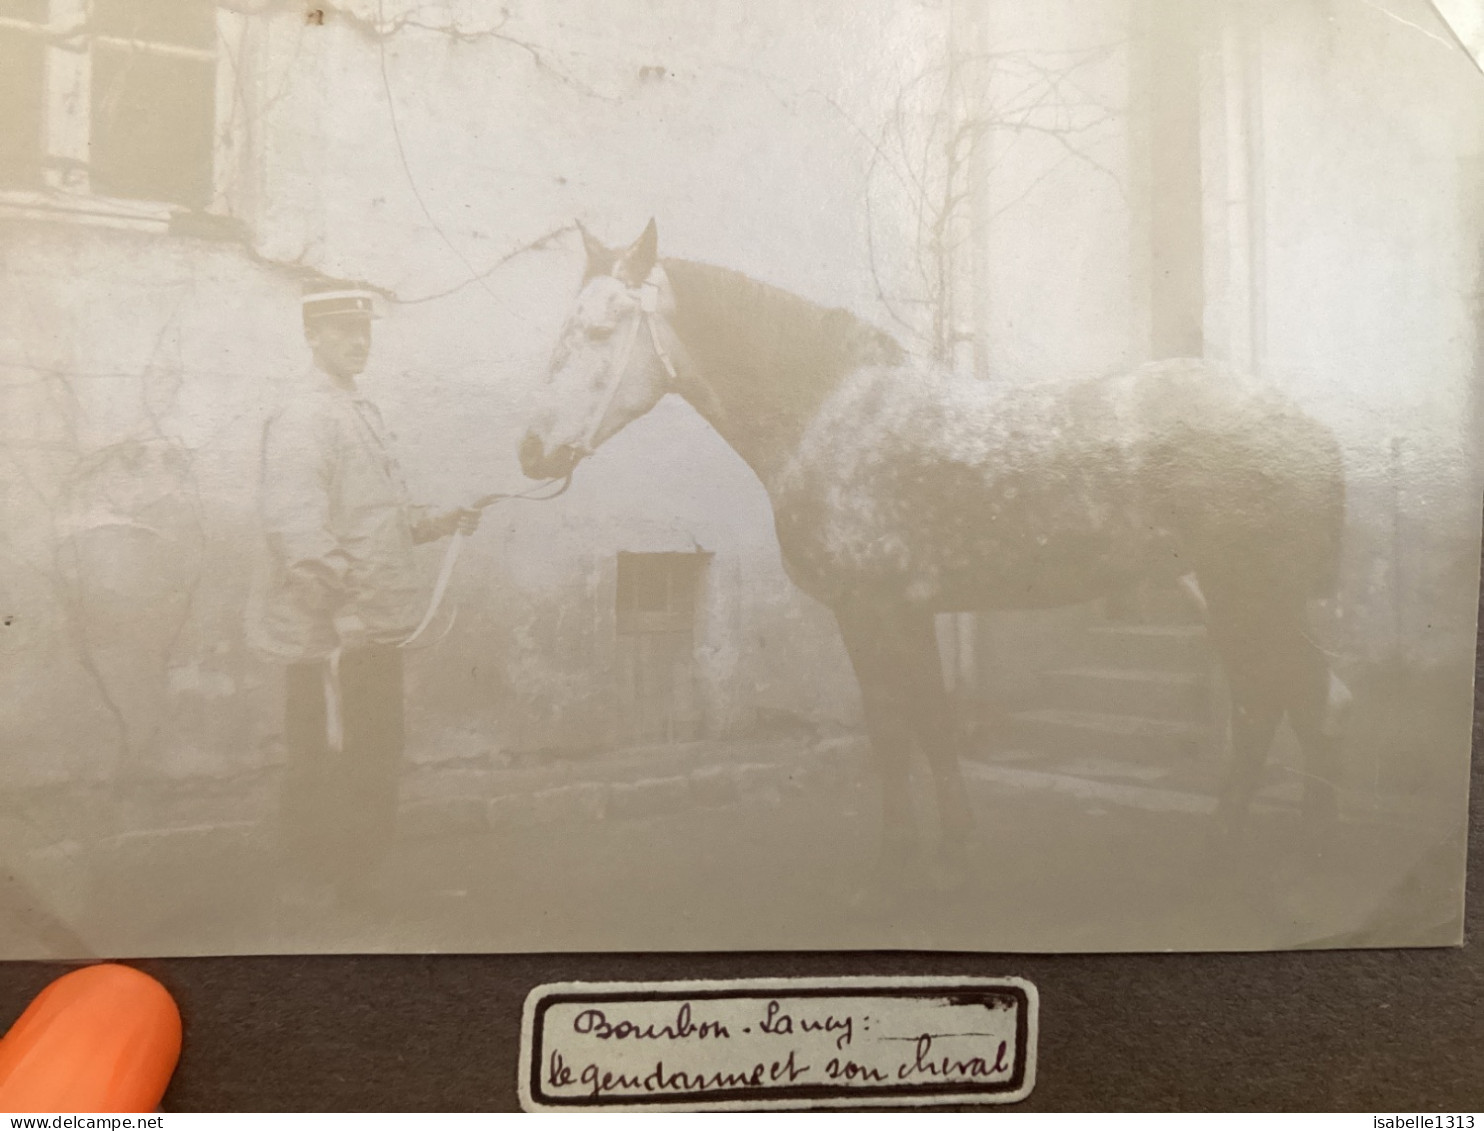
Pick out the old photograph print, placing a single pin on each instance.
(645, 475)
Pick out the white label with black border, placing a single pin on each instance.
(777, 1043)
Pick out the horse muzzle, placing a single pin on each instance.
(538, 461)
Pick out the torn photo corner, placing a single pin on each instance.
(974, 475)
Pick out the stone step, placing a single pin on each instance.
(1097, 734)
(1145, 647)
(1151, 604)
(1179, 696)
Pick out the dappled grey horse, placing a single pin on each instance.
(900, 491)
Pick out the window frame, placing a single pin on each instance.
(40, 31)
(680, 612)
(65, 189)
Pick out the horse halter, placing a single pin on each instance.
(649, 302)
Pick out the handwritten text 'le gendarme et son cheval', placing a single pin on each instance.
(919, 1062)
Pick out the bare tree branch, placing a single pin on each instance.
(932, 138)
(540, 243)
(382, 28)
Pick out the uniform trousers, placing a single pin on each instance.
(338, 809)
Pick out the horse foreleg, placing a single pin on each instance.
(875, 654)
(1254, 723)
(891, 743)
(939, 739)
(932, 720)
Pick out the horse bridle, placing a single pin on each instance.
(649, 299)
(649, 304)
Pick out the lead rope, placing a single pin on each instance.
(456, 542)
(648, 306)
(334, 699)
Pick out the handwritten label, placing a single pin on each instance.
(798, 1042)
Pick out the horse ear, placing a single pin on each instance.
(599, 258)
(635, 264)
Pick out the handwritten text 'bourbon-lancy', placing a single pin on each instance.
(693, 1049)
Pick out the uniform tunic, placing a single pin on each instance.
(340, 577)
(339, 526)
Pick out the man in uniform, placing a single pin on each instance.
(340, 592)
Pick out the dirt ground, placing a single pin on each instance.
(765, 856)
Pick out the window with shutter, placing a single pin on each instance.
(108, 108)
(22, 91)
(153, 100)
(655, 608)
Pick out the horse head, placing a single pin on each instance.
(611, 364)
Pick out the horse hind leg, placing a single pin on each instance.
(1255, 720)
(927, 708)
(891, 744)
(1244, 629)
(933, 724)
(1318, 702)
(1273, 669)
(895, 655)
(874, 654)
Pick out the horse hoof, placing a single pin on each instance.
(1223, 847)
(961, 844)
(958, 822)
(1321, 812)
(951, 869)
(1228, 826)
(1319, 830)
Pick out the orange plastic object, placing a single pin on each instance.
(103, 1038)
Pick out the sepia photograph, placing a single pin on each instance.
(635, 475)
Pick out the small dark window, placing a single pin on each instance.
(657, 592)
(154, 100)
(656, 614)
(22, 92)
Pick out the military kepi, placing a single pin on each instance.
(328, 298)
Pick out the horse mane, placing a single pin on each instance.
(740, 328)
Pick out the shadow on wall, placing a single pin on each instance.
(131, 562)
